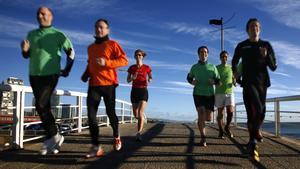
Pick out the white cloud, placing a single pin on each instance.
(178, 83)
(14, 27)
(165, 65)
(176, 90)
(201, 31)
(231, 35)
(144, 35)
(286, 12)
(281, 74)
(287, 53)
(7, 43)
(74, 6)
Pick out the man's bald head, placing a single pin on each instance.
(44, 16)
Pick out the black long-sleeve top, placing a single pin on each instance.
(254, 65)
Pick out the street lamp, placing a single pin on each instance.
(219, 22)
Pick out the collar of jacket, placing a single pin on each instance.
(99, 40)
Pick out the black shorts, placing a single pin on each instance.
(207, 101)
(139, 94)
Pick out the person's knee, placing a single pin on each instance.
(42, 107)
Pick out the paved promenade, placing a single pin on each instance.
(164, 146)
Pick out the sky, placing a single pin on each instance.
(169, 31)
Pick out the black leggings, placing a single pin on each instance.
(93, 100)
(255, 102)
(43, 87)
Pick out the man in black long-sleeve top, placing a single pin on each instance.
(256, 56)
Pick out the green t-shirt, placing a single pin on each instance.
(202, 73)
(226, 76)
(45, 50)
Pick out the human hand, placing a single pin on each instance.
(263, 51)
(211, 81)
(134, 76)
(236, 75)
(100, 61)
(64, 73)
(84, 77)
(25, 45)
(194, 82)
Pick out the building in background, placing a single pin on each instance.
(7, 101)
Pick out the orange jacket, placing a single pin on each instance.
(114, 57)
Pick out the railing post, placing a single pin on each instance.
(123, 111)
(18, 121)
(79, 104)
(107, 119)
(277, 118)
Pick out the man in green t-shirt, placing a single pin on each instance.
(224, 95)
(43, 48)
(203, 76)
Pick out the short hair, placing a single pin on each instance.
(223, 52)
(249, 21)
(102, 20)
(49, 9)
(141, 51)
(202, 47)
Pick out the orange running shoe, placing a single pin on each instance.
(95, 151)
(117, 144)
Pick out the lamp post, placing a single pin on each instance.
(219, 22)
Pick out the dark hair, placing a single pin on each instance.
(249, 21)
(49, 9)
(223, 52)
(202, 47)
(141, 51)
(102, 20)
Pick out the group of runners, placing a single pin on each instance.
(251, 73)
(213, 85)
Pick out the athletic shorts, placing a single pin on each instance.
(223, 100)
(139, 94)
(204, 101)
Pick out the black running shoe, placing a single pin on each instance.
(138, 137)
(228, 132)
(221, 133)
(203, 142)
(253, 152)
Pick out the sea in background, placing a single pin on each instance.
(288, 129)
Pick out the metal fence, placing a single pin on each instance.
(75, 120)
(273, 109)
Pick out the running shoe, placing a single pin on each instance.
(221, 133)
(203, 142)
(228, 132)
(52, 145)
(253, 152)
(138, 137)
(117, 144)
(95, 151)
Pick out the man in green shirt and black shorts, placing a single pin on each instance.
(43, 48)
(224, 96)
(203, 76)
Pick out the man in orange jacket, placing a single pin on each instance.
(104, 56)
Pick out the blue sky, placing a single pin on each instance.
(169, 31)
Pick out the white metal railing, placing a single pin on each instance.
(277, 110)
(123, 111)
